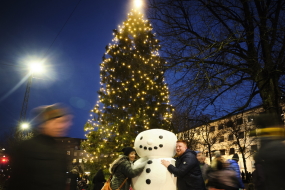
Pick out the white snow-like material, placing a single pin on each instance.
(155, 145)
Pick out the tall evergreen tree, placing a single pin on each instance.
(133, 96)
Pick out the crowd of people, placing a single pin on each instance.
(38, 163)
(221, 173)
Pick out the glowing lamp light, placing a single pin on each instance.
(36, 67)
(25, 126)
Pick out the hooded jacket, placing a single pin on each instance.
(121, 169)
(234, 166)
(188, 172)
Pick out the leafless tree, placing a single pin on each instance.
(208, 138)
(202, 135)
(244, 136)
(229, 52)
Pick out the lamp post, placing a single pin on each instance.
(34, 67)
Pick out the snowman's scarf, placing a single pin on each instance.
(117, 162)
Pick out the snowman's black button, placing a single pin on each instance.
(149, 162)
(147, 170)
(148, 181)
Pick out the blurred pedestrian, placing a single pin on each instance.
(98, 180)
(39, 163)
(242, 175)
(73, 175)
(217, 157)
(204, 167)
(222, 178)
(271, 155)
(187, 168)
(121, 169)
(234, 166)
(258, 176)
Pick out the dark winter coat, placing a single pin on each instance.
(258, 176)
(38, 163)
(273, 165)
(122, 169)
(98, 180)
(188, 172)
(223, 179)
(235, 167)
(74, 177)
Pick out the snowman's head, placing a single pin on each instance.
(156, 143)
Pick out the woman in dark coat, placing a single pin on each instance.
(121, 169)
(98, 180)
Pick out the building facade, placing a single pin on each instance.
(74, 152)
(229, 135)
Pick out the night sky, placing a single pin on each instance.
(70, 35)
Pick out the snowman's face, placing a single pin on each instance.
(156, 143)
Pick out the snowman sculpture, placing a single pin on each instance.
(155, 145)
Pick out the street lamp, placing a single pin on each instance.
(34, 68)
(25, 126)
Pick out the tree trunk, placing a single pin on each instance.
(270, 94)
(210, 155)
(244, 164)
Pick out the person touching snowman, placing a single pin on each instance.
(186, 168)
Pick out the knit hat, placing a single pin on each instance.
(128, 150)
(45, 113)
(217, 154)
(235, 157)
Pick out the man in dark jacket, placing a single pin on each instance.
(39, 163)
(187, 170)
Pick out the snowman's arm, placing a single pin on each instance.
(188, 162)
(128, 171)
(140, 162)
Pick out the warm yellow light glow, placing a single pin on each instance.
(36, 67)
(138, 3)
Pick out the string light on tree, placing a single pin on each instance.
(133, 96)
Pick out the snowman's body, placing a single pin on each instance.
(155, 145)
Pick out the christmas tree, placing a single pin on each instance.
(133, 96)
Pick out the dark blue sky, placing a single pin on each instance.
(28, 29)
